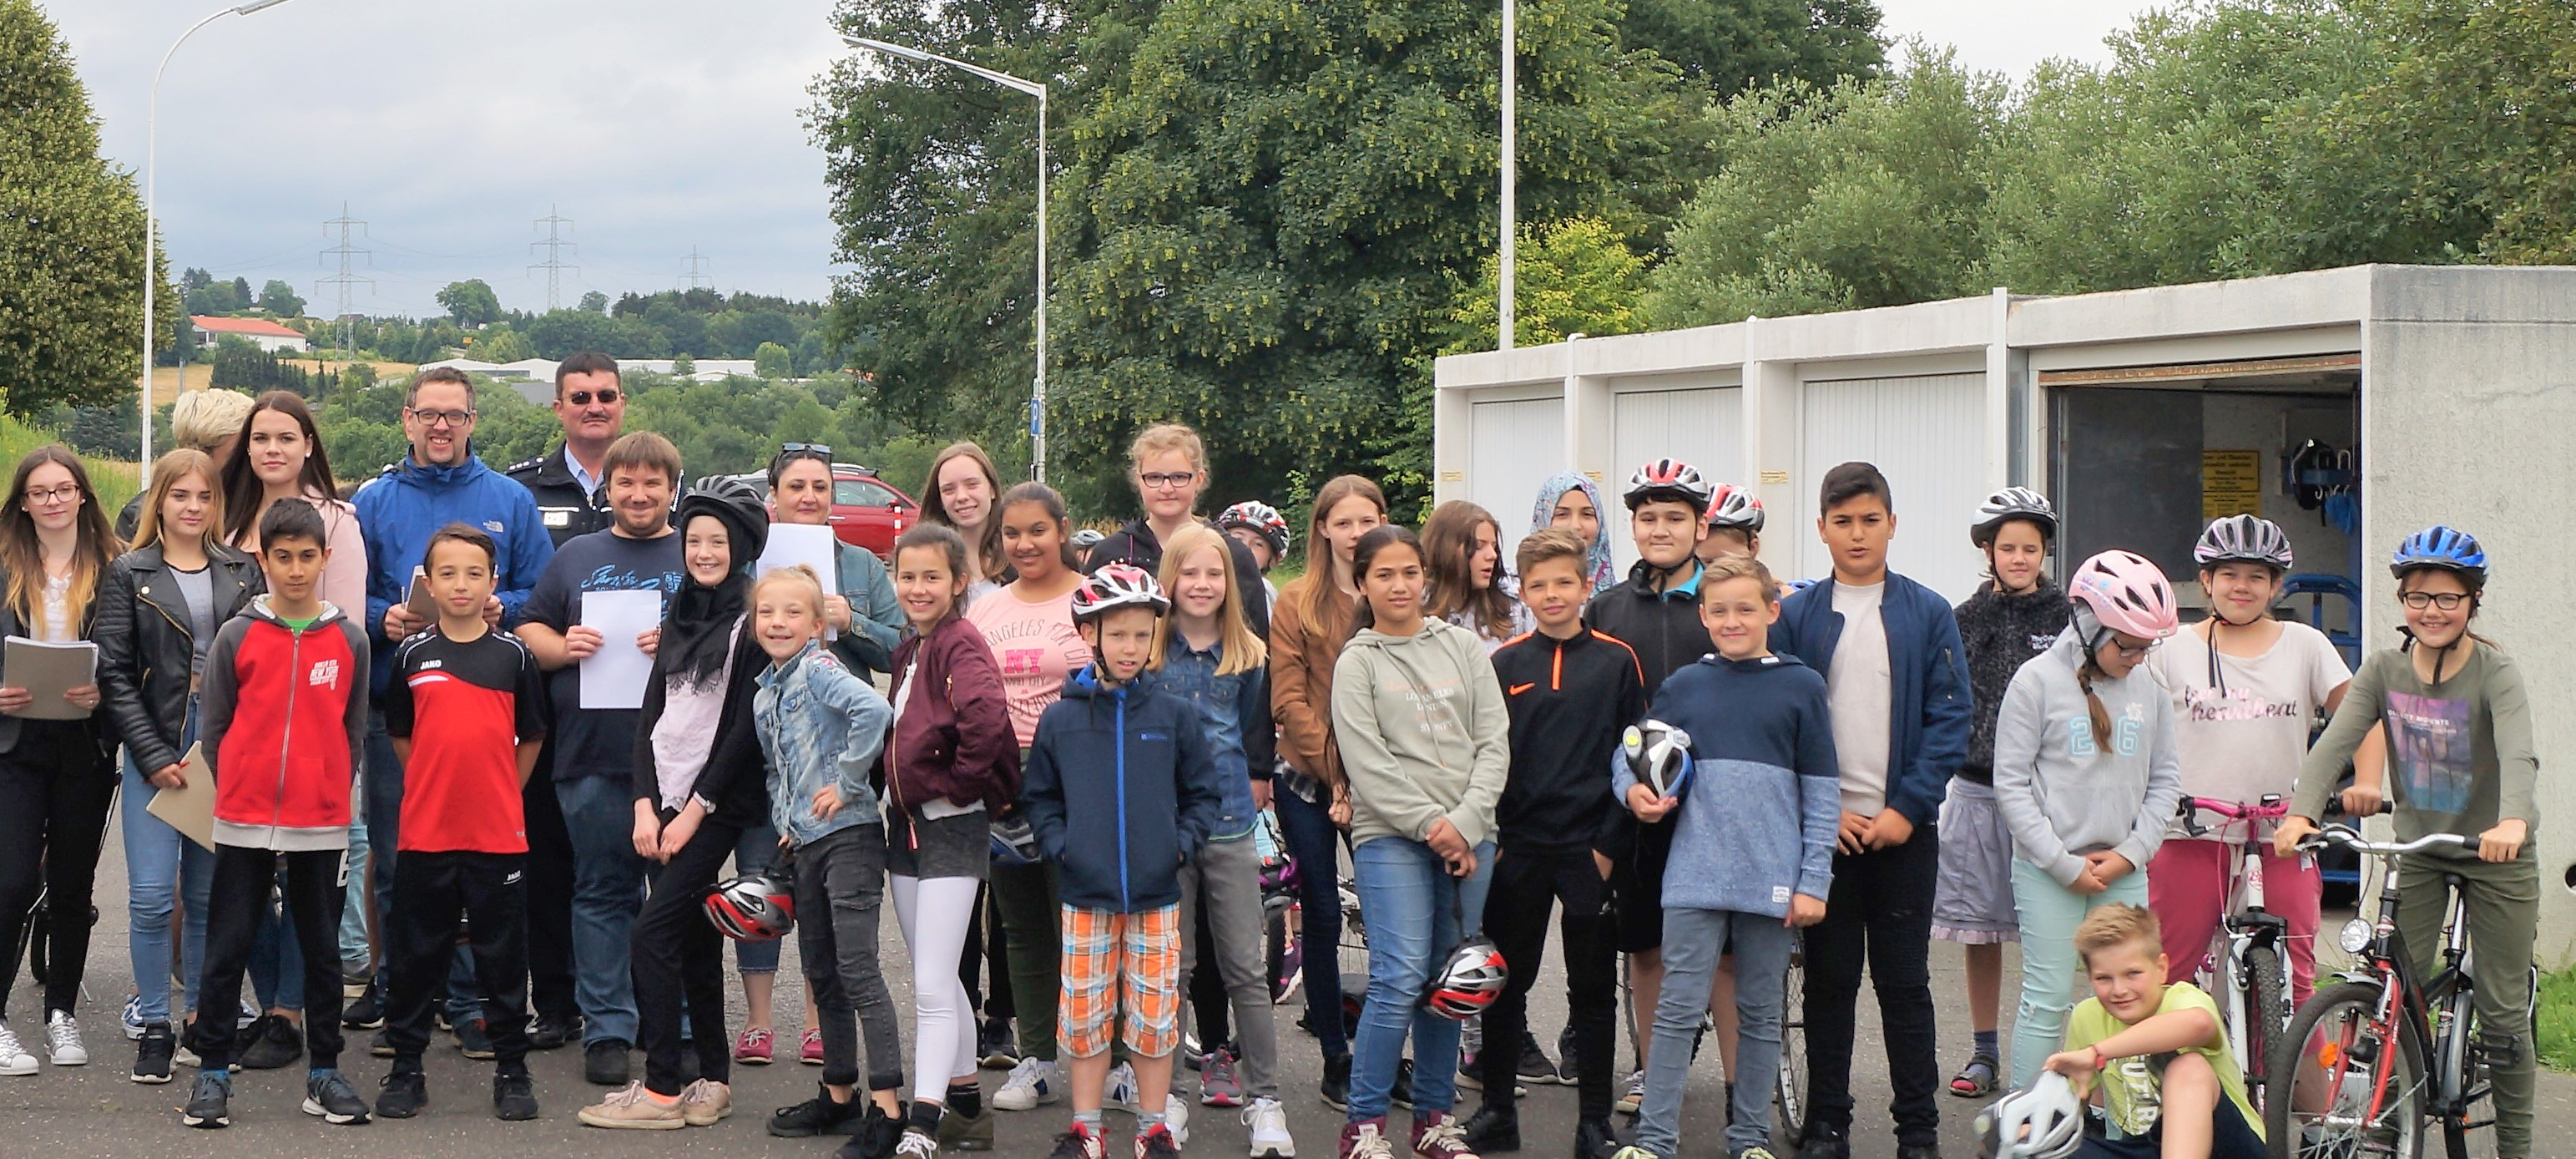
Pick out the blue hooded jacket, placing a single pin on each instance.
(1120, 789)
(1929, 701)
(400, 509)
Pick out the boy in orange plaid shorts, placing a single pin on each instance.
(1120, 790)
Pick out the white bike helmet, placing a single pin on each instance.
(1736, 508)
(2007, 505)
(2044, 1121)
(1118, 585)
(1469, 981)
(2243, 537)
(1657, 754)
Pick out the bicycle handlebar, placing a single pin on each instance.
(2273, 808)
(2351, 838)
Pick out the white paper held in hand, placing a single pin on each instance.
(810, 544)
(615, 675)
(47, 671)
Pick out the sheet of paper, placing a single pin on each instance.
(47, 671)
(190, 809)
(614, 676)
(420, 602)
(810, 544)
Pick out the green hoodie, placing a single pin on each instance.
(1423, 733)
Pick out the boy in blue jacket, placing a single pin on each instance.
(1896, 682)
(1120, 789)
(1752, 847)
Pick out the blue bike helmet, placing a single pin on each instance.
(2445, 548)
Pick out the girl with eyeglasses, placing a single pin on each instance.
(2086, 778)
(2458, 720)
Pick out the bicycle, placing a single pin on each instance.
(1791, 1089)
(2372, 1059)
(2249, 979)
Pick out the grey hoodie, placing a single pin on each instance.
(2063, 795)
(1423, 733)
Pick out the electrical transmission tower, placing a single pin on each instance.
(696, 276)
(345, 283)
(555, 244)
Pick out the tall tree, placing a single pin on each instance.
(1727, 46)
(471, 302)
(72, 252)
(279, 298)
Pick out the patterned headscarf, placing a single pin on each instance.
(1544, 511)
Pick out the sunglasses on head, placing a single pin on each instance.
(788, 451)
(607, 394)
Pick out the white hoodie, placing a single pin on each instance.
(2062, 794)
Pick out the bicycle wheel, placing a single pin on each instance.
(1792, 1085)
(2344, 1085)
(2468, 1114)
(2267, 1011)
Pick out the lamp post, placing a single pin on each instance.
(151, 273)
(1507, 316)
(1038, 392)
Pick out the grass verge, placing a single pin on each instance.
(2554, 1024)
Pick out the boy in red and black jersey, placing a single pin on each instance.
(466, 711)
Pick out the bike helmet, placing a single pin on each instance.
(1469, 981)
(2125, 593)
(1014, 843)
(2250, 538)
(1118, 585)
(1735, 507)
(1087, 538)
(1669, 479)
(738, 505)
(2445, 548)
(2043, 1121)
(1260, 517)
(2010, 504)
(755, 907)
(1279, 875)
(1658, 754)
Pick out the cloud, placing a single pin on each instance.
(2010, 36)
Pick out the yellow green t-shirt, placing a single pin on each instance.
(2133, 1087)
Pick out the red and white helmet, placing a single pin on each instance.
(755, 907)
(2126, 594)
(1262, 518)
(1469, 982)
(1735, 507)
(1668, 479)
(1119, 585)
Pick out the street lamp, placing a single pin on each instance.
(152, 275)
(1506, 314)
(1037, 394)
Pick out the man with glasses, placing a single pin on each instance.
(439, 482)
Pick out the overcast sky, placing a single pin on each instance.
(655, 125)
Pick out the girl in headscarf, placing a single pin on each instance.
(1571, 501)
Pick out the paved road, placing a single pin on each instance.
(95, 1111)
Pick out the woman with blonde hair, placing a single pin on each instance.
(204, 420)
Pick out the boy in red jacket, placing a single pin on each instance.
(282, 716)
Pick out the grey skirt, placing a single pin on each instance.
(959, 846)
(1972, 900)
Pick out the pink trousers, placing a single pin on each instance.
(2187, 887)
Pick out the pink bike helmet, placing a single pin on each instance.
(2126, 594)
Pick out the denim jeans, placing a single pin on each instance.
(754, 852)
(2049, 914)
(1316, 843)
(1694, 940)
(276, 966)
(607, 893)
(357, 946)
(1416, 913)
(161, 868)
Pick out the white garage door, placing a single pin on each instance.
(1702, 427)
(1517, 446)
(1927, 434)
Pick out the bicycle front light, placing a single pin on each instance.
(2355, 936)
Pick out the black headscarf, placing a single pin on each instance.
(698, 634)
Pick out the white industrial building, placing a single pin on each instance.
(2448, 393)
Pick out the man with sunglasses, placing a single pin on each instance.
(590, 402)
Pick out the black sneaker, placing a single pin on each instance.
(402, 1094)
(996, 1046)
(1593, 1139)
(1565, 1072)
(268, 1044)
(1336, 1088)
(210, 1101)
(878, 1134)
(366, 1012)
(1080, 1143)
(473, 1039)
(381, 1043)
(1494, 1128)
(152, 1054)
(604, 1063)
(1918, 1151)
(1534, 1065)
(514, 1098)
(549, 1033)
(330, 1097)
(1402, 1095)
(816, 1116)
(1158, 1144)
(1825, 1143)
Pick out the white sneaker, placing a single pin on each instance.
(1267, 1124)
(1033, 1082)
(1176, 1115)
(14, 1059)
(63, 1040)
(1119, 1093)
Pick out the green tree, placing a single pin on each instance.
(277, 297)
(73, 256)
(504, 346)
(683, 366)
(471, 302)
(593, 302)
(773, 361)
(1576, 276)
(216, 298)
(1727, 46)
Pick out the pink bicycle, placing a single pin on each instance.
(2247, 974)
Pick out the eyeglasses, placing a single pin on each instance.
(2127, 650)
(822, 449)
(2447, 601)
(442, 418)
(1168, 480)
(605, 395)
(67, 493)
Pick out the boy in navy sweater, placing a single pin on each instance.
(1752, 849)
(1120, 789)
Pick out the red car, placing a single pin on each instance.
(866, 511)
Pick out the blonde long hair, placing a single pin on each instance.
(168, 472)
(1240, 650)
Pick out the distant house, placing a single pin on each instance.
(533, 378)
(707, 369)
(259, 332)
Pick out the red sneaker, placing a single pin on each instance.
(1439, 1136)
(1366, 1140)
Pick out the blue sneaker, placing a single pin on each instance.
(210, 1100)
(331, 1097)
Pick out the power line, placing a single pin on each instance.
(696, 277)
(345, 283)
(554, 265)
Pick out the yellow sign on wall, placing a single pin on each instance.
(2231, 483)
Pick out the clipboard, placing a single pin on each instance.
(190, 810)
(47, 671)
